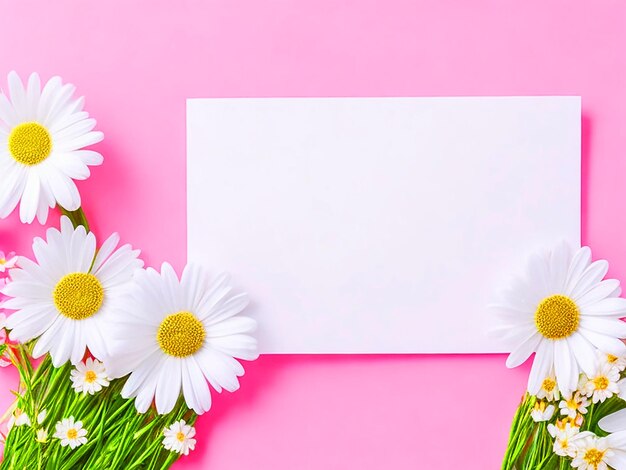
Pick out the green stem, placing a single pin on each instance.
(77, 217)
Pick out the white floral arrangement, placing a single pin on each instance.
(128, 355)
(573, 414)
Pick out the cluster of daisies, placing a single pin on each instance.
(570, 317)
(94, 305)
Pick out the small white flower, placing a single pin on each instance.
(619, 362)
(542, 411)
(42, 436)
(549, 390)
(89, 377)
(70, 433)
(179, 437)
(603, 384)
(18, 418)
(563, 434)
(41, 417)
(576, 404)
(592, 453)
(8, 261)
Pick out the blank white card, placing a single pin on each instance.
(379, 225)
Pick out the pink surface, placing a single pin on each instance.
(136, 62)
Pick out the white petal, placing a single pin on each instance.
(614, 422)
(614, 306)
(565, 367)
(599, 292)
(195, 388)
(520, 354)
(105, 251)
(30, 198)
(584, 352)
(542, 365)
(18, 95)
(608, 326)
(590, 278)
(239, 346)
(604, 343)
(580, 262)
(168, 385)
(227, 309)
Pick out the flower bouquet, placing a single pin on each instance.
(573, 414)
(115, 361)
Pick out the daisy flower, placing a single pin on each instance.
(563, 311)
(598, 453)
(548, 390)
(70, 433)
(66, 297)
(89, 377)
(603, 384)
(573, 406)
(542, 411)
(180, 334)
(179, 437)
(564, 439)
(42, 136)
(619, 362)
(7, 262)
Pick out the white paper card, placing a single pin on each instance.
(379, 225)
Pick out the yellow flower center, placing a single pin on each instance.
(594, 457)
(180, 436)
(72, 433)
(78, 295)
(557, 317)
(611, 358)
(181, 334)
(90, 376)
(548, 384)
(601, 383)
(30, 143)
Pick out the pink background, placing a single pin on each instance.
(137, 61)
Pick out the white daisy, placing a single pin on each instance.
(70, 433)
(564, 438)
(89, 377)
(548, 390)
(42, 136)
(66, 297)
(562, 312)
(619, 362)
(603, 384)
(179, 438)
(177, 334)
(576, 404)
(542, 411)
(598, 453)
